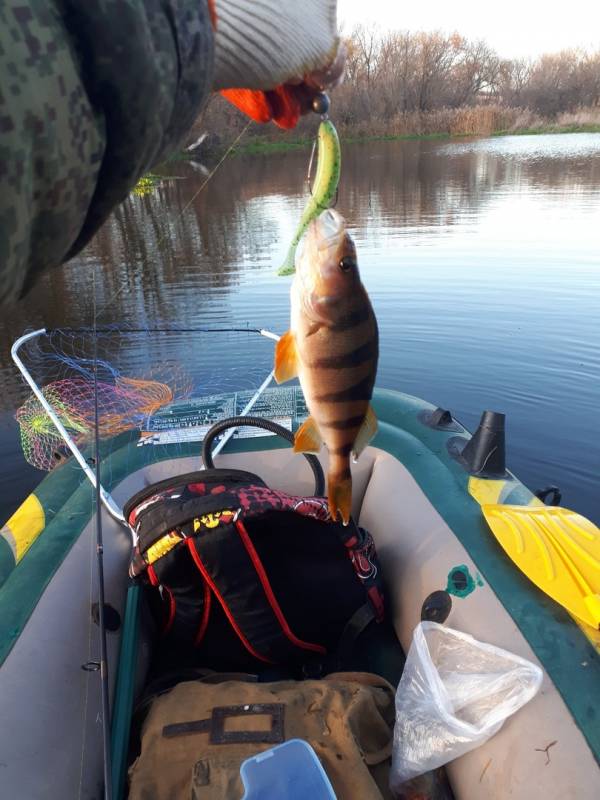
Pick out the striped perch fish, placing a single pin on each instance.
(332, 347)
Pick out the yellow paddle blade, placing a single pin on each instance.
(558, 549)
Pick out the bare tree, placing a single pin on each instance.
(404, 80)
(368, 47)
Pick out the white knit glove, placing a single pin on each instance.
(283, 51)
(260, 44)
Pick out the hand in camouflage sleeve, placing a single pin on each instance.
(93, 94)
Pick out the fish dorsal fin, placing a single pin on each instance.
(286, 359)
(308, 437)
(367, 431)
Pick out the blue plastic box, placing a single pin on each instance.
(290, 771)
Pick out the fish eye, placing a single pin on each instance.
(347, 263)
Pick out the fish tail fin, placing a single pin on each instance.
(339, 496)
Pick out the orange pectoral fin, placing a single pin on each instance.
(286, 360)
(308, 438)
(339, 497)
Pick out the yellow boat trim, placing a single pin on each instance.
(24, 527)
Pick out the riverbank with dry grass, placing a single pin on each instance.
(402, 84)
(439, 124)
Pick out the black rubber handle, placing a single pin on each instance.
(552, 492)
(268, 425)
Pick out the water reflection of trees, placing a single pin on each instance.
(430, 183)
(176, 254)
(178, 237)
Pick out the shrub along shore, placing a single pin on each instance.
(439, 124)
(410, 84)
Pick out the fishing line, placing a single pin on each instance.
(86, 691)
(162, 238)
(310, 165)
(210, 175)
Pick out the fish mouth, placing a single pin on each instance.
(323, 241)
(329, 227)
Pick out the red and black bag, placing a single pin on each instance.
(249, 574)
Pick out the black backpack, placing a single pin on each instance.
(247, 575)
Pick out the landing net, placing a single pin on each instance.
(160, 384)
(123, 403)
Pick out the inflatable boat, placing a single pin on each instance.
(418, 489)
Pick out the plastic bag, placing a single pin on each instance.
(455, 692)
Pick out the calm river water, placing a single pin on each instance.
(482, 259)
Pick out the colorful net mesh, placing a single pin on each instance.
(123, 403)
(139, 370)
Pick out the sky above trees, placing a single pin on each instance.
(514, 28)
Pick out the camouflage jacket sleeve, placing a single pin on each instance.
(92, 94)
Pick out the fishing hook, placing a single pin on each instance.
(310, 165)
(320, 105)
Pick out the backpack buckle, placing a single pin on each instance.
(215, 726)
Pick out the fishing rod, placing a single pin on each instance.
(126, 330)
(106, 741)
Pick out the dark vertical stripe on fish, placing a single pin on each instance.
(356, 357)
(358, 391)
(343, 424)
(343, 450)
(353, 318)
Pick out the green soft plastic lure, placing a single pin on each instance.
(329, 162)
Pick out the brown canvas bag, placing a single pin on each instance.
(197, 735)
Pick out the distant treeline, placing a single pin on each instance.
(402, 71)
(402, 83)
